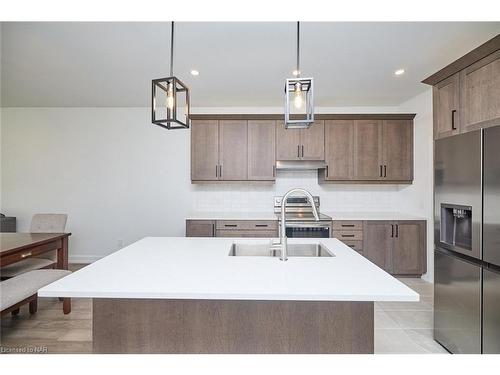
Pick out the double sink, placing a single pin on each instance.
(265, 250)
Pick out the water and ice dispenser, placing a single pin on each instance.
(456, 226)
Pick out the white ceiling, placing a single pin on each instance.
(241, 64)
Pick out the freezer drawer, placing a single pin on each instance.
(491, 312)
(457, 304)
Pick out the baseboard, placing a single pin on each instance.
(84, 259)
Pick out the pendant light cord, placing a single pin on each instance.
(172, 50)
(298, 49)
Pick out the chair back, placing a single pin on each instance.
(48, 223)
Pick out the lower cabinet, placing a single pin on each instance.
(398, 247)
(200, 228)
(232, 228)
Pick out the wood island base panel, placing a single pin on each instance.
(231, 326)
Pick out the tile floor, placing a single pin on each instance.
(400, 327)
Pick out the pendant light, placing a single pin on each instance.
(299, 99)
(170, 98)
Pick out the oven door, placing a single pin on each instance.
(308, 230)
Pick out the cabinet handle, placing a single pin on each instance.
(385, 170)
(298, 151)
(453, 127)
(347, 235)
(261, 225)
(347, 225)
(392, 230)
(380, 173)
(230, 225)
(25, 255)
(326, 170)
(213, 229)
(220, 171)
(397, 230)
(302, 150)
(216, 170)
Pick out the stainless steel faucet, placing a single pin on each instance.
(283, 241)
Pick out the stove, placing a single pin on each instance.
(300, 221)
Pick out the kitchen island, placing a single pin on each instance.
(188, 295)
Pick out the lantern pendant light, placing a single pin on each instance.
(299, 99)
(170, 98)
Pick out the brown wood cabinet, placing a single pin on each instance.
(397, 148)
(368, 150)
(204, 150)
(466, 93)
(339, 150)
(300, 144)
(378, 243)
(200, 228)
(233, 150)
(261, 150)
(446, 102)
(398, 247)
(408, 252)
(480, 93)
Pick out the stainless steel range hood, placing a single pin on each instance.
(299, 165)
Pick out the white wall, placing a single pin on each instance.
(418, 197)
(120, 178)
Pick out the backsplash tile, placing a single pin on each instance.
(239, 197)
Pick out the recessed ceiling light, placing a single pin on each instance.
(194, 72)
(296, 73)
(399, 72)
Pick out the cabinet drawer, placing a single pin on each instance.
(247, 224)
(28, 253)
(347, 225)
(356, 245)
(348, 235)
(247, 233)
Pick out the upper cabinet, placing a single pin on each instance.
(355, 148)
(375, 151)
(300, 144)
(480, 93)
(204, 150)
(466, 93)
(446, 102)
(261, 150)
(232, 150)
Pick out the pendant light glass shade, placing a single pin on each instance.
(299, 98)
(170, 98)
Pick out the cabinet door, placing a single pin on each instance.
(480, 93)
(377, 242)
(204, 150)
(261, 150)
(446, 96)
(200, 228)
(233, 144)
(287, 143)
(368, 150)
(408, 253)
(398, 150)
(312, 142)
(339, 149)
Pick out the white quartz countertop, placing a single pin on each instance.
(368, 215)
(200, 268)
(372, 216)
(232, 216)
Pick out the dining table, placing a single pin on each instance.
(15, 247)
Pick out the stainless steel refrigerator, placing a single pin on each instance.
(467, 242)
